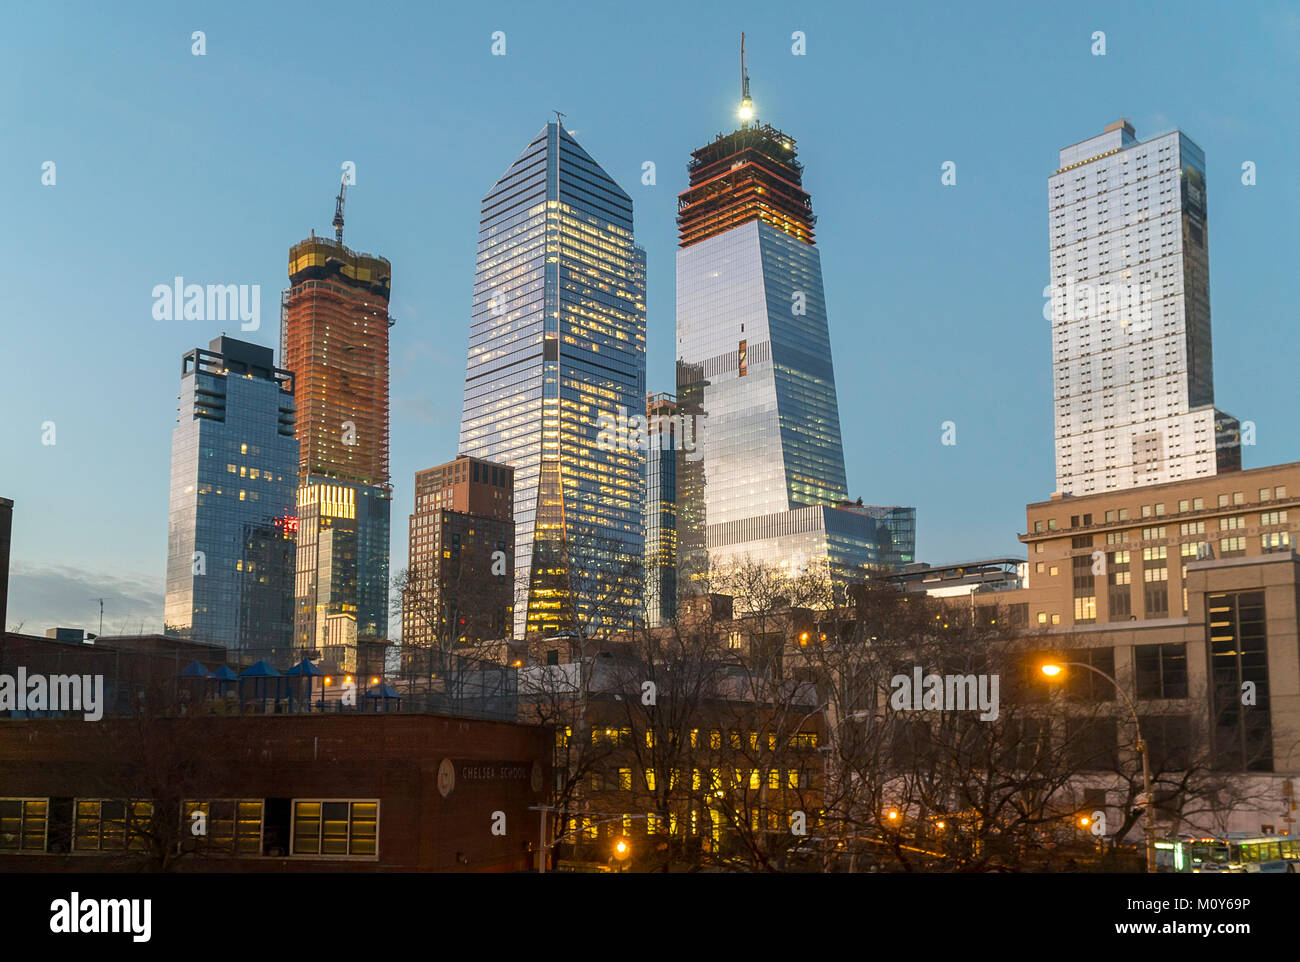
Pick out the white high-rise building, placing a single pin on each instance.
(1130, 310)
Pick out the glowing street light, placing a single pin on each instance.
(1055, 670)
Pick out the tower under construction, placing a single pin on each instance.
(334, 338)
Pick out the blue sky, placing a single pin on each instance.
(211, 167)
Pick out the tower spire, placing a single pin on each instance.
(746, 104)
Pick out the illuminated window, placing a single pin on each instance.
(650, 779)
(22, 824)
(108, 825)
(232, 826)
(335, 828)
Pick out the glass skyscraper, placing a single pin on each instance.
(557, 343)
(1130, 305)
(754, 367)
(232, 522)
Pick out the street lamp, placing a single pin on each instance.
(1054, 670)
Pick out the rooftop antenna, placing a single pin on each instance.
(101, 615)
(338, 208)
(559, 119)
(746, 104)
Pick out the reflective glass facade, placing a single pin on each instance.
(343, 539)
(754, 369)
(557, 339)
(662, 455)
(1130, 309)
(230, 543)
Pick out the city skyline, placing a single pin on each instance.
(1019, 449)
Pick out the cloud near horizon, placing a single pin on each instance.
(48, 596)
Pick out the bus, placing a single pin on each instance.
(1231, 853)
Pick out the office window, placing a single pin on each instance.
(1275, 540)
(1038, 547)
(1056, 619)
(1092, 744)
(1123, 514)
(1223, 501)
(1110, 515)
(1160, 508)
(625, 779)
(1184, 505)
(1054, 571)
(1272, 517)
(1232, 547)
(1084, 685)
(1265, 494)
(1238, 636)
(1160, 670)
(234, 826)
(1039, 567)
(1051, 524)
(1038, 527)
(1042, 617)
(337, 828)
(1074, 521)
(1238, 497)
(1279, 491)
(1232, 524)
(110, 825)
(22, 824)
(1198, 504)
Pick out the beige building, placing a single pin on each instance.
(1188, 594)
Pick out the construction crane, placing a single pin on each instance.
(746, 104)
(338, 208)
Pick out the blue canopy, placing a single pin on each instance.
(224, 674)
(304, 667)
(195, 670)
(259, 670)
(383, 691)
